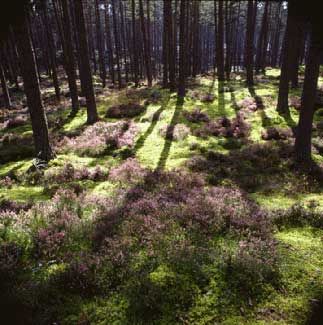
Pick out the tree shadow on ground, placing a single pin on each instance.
(141, 140)
(170, 134)
(260, 106)
(221, 99)
(258, 168)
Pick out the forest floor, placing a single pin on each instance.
(166, 211)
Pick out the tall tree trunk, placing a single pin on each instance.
(134, 45)
(262, 40)
(124, 41)
(5, 91)
(31, 88)
(103, 73)
(182, 47)
(109, 44)
(304, 129)
(171, 48)
(116, 42)
(92, 115)
(146, 42)
(220, 43)
(166, 13)
(288, 49)
(51, 49)
(69, 57)
(248, 58)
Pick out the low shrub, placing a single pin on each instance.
(100, 138)
(196, 116)
(125, 110)
(174, 132)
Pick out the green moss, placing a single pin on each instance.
(24, 193)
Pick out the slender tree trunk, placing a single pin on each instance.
(146, 42)
(31, 88)
(220, 43)
(69, 57)
(262, 40)
(304, 129)
(134, 45)
(282, 105)
(248, 59)
(116, 41)
(171, 48)
(103, 73)
(51, 49)
(109, 44)
(92, 115)
(5, 91)
(182, 54)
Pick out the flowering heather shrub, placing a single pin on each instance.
(11, 264)
(207, 98)
(53, 222)
(8, 205)
(194, 94)
(298, 215)
(273, 133)
(16, 139)
(150, 208)
(129, 171)
(98, 138)
(174, 132)
(253, 265)
(69, 173)
(15, 122)
(196, 116)
(6, 182)
(79, 276)
(125, 110)
(295, 101)
(237, 128)
(247, 103)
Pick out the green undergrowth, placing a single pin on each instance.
(184, 289)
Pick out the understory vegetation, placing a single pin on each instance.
(168, 210)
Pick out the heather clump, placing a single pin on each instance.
(70, 173)
(125, 110)
(196, 116)
(174, 132)
(100, 138)
(235, 128)
(15, 122)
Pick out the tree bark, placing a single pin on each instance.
(288, 49)
(69, 57)
(182, 54)
(304, 129)
(32, 90)
(5, 91)
(248, 59)
(220, 43)
(103, 73)
(92, 115)
(145, 36)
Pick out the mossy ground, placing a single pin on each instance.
(278, 187)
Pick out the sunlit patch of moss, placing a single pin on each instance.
(272, 72)
(21, 130)
(24, 193)
(302, 274)
(104, 188)
(17, 167)
(76, 122)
